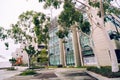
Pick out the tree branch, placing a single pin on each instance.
(83, 3)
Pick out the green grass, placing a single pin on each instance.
(52, 66)
(28, 72)
(104, 71)
(81, 67)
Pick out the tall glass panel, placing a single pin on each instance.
(86, 46)
(69, 50)
(54, 49)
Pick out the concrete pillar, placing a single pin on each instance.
(76, 46)
(80, 50)
(62, 53)
(62, 50)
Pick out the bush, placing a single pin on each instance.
(104, 71)
(60, 66)
(70, 67)
(37, 67)
(11, 69)
(28, 72)
(52, 66)
(81, 67)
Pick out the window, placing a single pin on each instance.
(41, 46)
(117, 51)
(113, 35)
(86, 46)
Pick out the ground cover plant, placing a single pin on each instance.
(28, 72)
(105, 71)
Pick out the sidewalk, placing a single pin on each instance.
(57, 74)
(5, 74)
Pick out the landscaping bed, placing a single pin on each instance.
(28, 72)
(105, 71)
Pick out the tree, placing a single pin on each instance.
(13, 61)
(3, 34)
(30, 51)
(71, 16)
(31, 27)
(115, 67)
(43, 57)
(105, 8)
(48, 3)
(41, 23)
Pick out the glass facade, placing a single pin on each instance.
(69, 50)
(87, 51)
(54, 49)
(86, 46)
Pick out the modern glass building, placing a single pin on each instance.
(79, 49)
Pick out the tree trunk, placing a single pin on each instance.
(28, 61)
(114, 62)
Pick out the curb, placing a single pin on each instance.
(99, 77)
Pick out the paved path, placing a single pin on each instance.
(73, 74)
(57, 74)
(5, 74)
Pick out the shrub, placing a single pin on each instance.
(28, 72)
(11, 69)
(104, 71)
(60, 66)
(52, 66)
(81, 67)
(37, 67)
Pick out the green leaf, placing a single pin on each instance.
(60, 34)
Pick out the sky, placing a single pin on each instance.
(9, 12)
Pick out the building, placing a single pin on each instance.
(79, 49)
(20, 53)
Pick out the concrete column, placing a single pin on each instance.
(80, 50)
(76, 46)
(62, 53)
(62, 50)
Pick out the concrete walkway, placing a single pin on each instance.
(5, 74)
(73, 74)
(56, 74)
